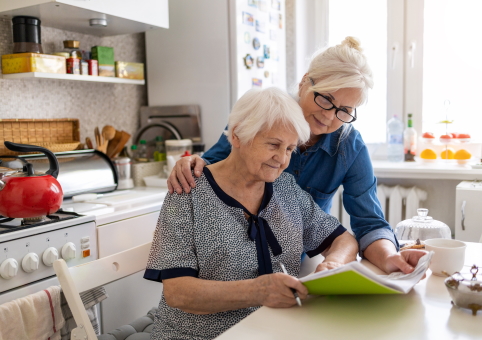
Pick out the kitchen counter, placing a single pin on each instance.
(424, 313)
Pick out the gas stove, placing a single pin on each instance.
(8, 225)
(27, 251)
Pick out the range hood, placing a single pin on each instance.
(122, 16)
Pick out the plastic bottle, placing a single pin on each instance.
(395, 139)
(139, 155)
(160, 153)
(142, 151)
(409, 141)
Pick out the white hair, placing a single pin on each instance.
(258, 110)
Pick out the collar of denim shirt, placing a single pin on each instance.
(327, 142)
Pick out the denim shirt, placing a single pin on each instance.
(322, 168)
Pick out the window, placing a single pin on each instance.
(452, 65)
(367, 21)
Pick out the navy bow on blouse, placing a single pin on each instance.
(260, 232)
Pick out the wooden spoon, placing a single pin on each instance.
(98, 139)
(108, 132)
(88, 142)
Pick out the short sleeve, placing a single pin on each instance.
(173, 252)
(319, 228)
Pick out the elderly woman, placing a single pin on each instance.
(336, 83)
(218, 250)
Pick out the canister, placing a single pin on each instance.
(175, 149)
(73, 66)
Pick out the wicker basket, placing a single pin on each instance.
(56, 135)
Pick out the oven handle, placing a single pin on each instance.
(463, 214)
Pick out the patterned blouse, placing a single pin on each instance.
(205, 234)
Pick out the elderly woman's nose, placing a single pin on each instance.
(281, 156)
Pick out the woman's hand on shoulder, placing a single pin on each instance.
(275, 292)
(181, 178)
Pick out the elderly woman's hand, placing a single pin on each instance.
(181, 177)
(274, 290)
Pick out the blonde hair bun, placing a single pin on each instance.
(352, 42)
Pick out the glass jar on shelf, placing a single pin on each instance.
(72, 48)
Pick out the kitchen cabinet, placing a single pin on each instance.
(123, 16)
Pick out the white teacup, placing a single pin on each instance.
(449, 255)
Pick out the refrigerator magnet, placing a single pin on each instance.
(276, 4)
(247, 37)
(260, 26)
(248, 61)
(252, 3)
(257, 82)
(267, 53)
(266, 74)
(248, 19)
(256, 43)
(260, 62)
(262, 5)
(280, 21)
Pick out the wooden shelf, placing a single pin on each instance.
(75, 77)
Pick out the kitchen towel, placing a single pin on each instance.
(34, 317)
(89, 298)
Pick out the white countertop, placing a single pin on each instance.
(438, 170)
(424, 313)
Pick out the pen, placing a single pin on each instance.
(298, 300)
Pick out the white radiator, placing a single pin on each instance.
(398, 204)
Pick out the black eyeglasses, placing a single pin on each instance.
(346, 115)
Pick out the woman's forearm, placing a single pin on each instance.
(343, 249)
(197, 296)
(378, 252)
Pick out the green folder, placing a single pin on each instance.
(349, 282)
(355, 278)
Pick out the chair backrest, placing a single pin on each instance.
(94, 274)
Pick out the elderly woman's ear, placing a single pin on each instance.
(235, 139)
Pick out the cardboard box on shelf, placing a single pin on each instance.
(129, 70)
(33, 62)
(105, 58)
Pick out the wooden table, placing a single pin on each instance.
(423, 313)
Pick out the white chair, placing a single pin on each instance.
(94, 274)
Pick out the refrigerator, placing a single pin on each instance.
(213, 52)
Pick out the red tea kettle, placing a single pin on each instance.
(26, 194)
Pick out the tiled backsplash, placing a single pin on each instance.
(94, 104)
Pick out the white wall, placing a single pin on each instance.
(189, 62)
